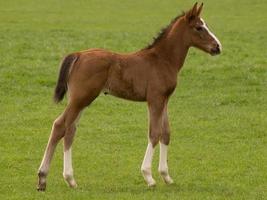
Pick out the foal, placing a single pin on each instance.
(146, 75)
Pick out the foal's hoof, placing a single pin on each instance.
(166, 177)
(73, 184)
(148, 177)
(41, 182)
(151, 183)
(70, 181)
(168, 180)
(41, 187)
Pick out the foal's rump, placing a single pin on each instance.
(83, 74)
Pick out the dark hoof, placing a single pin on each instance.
(41, 182)
(41, 187)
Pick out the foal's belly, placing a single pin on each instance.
(125, 90)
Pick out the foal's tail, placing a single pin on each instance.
(61, 87)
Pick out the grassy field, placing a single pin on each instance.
(218, 112)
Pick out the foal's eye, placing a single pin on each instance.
(199, 28)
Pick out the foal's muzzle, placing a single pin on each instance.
(215, 50)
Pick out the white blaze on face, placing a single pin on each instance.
(211, 34)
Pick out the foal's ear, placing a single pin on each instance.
(199, 9)
(192, 13)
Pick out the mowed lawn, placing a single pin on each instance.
(218, 112)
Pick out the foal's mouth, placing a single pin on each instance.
(216, 50)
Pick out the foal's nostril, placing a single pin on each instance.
(216, 49)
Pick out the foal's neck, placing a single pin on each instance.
(173, 47)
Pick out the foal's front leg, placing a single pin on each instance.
(164, 142)
(155, 128)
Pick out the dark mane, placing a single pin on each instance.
(163, 32)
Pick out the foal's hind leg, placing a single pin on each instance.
(84, 85)
(164, 142)
(155, 128)
(58, 131)
(70, 124)
(64, 126)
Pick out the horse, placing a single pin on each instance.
(148, 75)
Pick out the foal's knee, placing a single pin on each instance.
(154, 138)
(165, 138)
(58, 124)
(58, 129)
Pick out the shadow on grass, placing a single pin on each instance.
(211, 189)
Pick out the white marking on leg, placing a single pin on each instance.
(163, 166)
(146, 165)
(68, 170)
(163, 158)
(68, 163)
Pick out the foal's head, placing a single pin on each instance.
(198, 34)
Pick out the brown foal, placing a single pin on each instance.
(146, 75)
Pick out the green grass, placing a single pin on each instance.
(218, 112)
